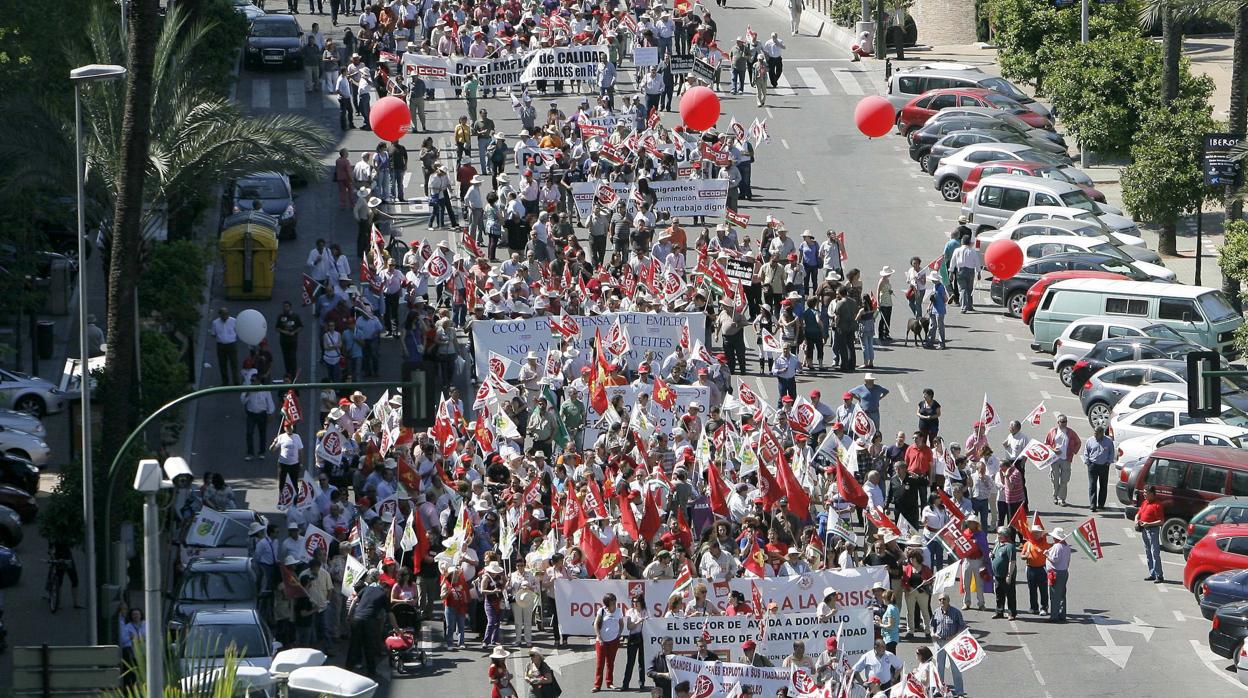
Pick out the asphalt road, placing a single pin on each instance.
(1126, 637)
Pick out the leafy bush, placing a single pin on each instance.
(1023, 29)
(1104, 89)
(215, 57)
(172, 285)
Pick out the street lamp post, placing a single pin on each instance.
(150, 480)
(81, 76)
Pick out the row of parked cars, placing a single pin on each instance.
(23, 452)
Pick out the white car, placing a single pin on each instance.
(1056, 226)
(25, 445)
(24, 393)
(1111, 222)
(1201, 434)
(1164, 416)
(1148, 394)
(1038, 246)
(209, 633)
(22, 421)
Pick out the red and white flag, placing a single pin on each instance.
(499, 365)
(1035, 415)
(1039, 454)
(438, 267)
(988, 414)
(965, 650)
(616, 342)
(566, 326)
(860, 424)
(770, 344)
(553, 369)
(803, 416)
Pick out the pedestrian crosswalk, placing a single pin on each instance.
(276, 92)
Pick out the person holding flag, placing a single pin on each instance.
(947, 623)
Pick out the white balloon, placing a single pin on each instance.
(251, 326)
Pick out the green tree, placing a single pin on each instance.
(1025, 30)
(1103, 89)
(1165, 179)
(172, 286)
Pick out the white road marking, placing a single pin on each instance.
(1033, 375)
(897, 148)
(817, 214)
(1010, 338)
(817, 60)
(784, 143)
(1044, 394)
(847, 81)
(1163, 561)
(783, 88)
(902, 389)
(1211, 661)
(296, 97)
(810, 76)
(1030, 659)
(1021, 356)
(260, 94)
(769, 114)
(800, 178)
(932, 204)
(994, 317)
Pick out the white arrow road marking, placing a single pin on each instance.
(1119, 654)
(1211, 662)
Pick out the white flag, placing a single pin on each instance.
(946, 577)
(988, 414)
(315, 538)
(207, 528)
(351, 574)
(438, 267)
(1035, 415)
(1039, 454)
(965, 650)
(408, 541)
(771, 345)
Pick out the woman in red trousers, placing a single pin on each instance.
(608, 628)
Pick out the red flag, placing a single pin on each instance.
(291, 585)
(663, 395)
(627, 519)
(950, 506)
(650, 519)
(754, 562)
(1035, 520)
(407, 472)
(309, 288)
(769, 448)
(533, 495)
(573, 515)
(470, 243)
(849, 487)
(770, 488)
(597, 378)
(594, 501)
(880, 520)
(422, 540)
(600, 559)
(642, 451)
(1019, 523)
(799, 500)
(683, 533)
(718, 490)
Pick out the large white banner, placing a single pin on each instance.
(720, 679)
(681, 197)
(578, 599)
(564, 63)
(514, 339)
(662, 419)
(728, 632)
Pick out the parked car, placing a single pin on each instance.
(10, 567)
(10, 528)
(1187, 478)
(247, 9)
(1001, 115)
(269, 192)
(19, 473)
(274, 40)
(1139, 448)
(1164, 416)
(1225, 510)
(917, 111)
(1080, 334)
(1014, 292)
(215, 583)
(24, 393)
(1118, 349)
(1040, 246)
(1217, 590)
(1102, 391)
(1112, 222)
(955, 188)
(22, 421)
(26, 446)
(1229, 628)
(951, 143)
(1017, 144)
(1148, 395)
(209, 633)
(1058, 227)
(1224, 547)
(904, 85)
(20, 501)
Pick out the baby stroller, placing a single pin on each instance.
(405, 655)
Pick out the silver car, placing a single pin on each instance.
(25, 445)
(24, 393)
(22, 421)
(1111, 383)
(211, 632)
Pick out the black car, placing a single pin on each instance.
(1230, 627)
(960, 139)
(274, 40)
(1012, 292)
(269, 192)
(1116, 349)
(922, 139)
(20, 473)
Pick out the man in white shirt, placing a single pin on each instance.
(321, 265)
(223, 330)
(965, 264)
(1015, 441)
(775, 63)
(830, 250)
(391, 287)
(879, 666)
(346, 105)
(474, 206)
(289, 448)
(781, 245)
(259, 405)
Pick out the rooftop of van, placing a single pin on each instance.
(938, 67)
(1138, 288)
(1028, 182)
(1222, 455)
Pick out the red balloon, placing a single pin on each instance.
(1003, 258)
(699, 108)
(390, 118)
(874, 116)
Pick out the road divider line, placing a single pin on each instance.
(1031, 659)
(1164, 561)
(902, 389)
(847, 81)
(810, 76)
(1010, 338)
(1203, 654)
(784, 143)
(260, 94)
(817, 214)
(1044, 395)
(1021, 356)
(800, 178)
(296, 94)
(1033, 375)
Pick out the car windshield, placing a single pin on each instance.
(1005, 87)
(1234, 417)
(1054, 174)
(1109, 250)
(260, 189)
(1039, 156)
(1163, 332)
(208, 587)
(1090, 217)
(1077, 199)
(275, 29)
(1128, 271)
(212, 641)
(1216, 307)
(1000, 101)
(1233, 385)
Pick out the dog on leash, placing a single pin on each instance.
(919, 329)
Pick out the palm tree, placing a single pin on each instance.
(175, 140)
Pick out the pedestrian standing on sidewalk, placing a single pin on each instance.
(965, 265)
(760, 80)
(223, 330)
(795, 14)
(259, 405)
(1065, 443)
(1148, 522)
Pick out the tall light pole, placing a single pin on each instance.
(149, 480)
(80, 77)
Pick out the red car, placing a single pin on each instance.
(918, 110)
(1037, 289)
(1026, 168)
(1224, 548)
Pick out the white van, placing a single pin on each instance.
(1200, 314)
(998, 197)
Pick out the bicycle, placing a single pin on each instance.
(56, 573)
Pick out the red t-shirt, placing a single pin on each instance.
(919, 460)
(1150, 512)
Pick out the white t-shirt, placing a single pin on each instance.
(609, 625)
(288, 448)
